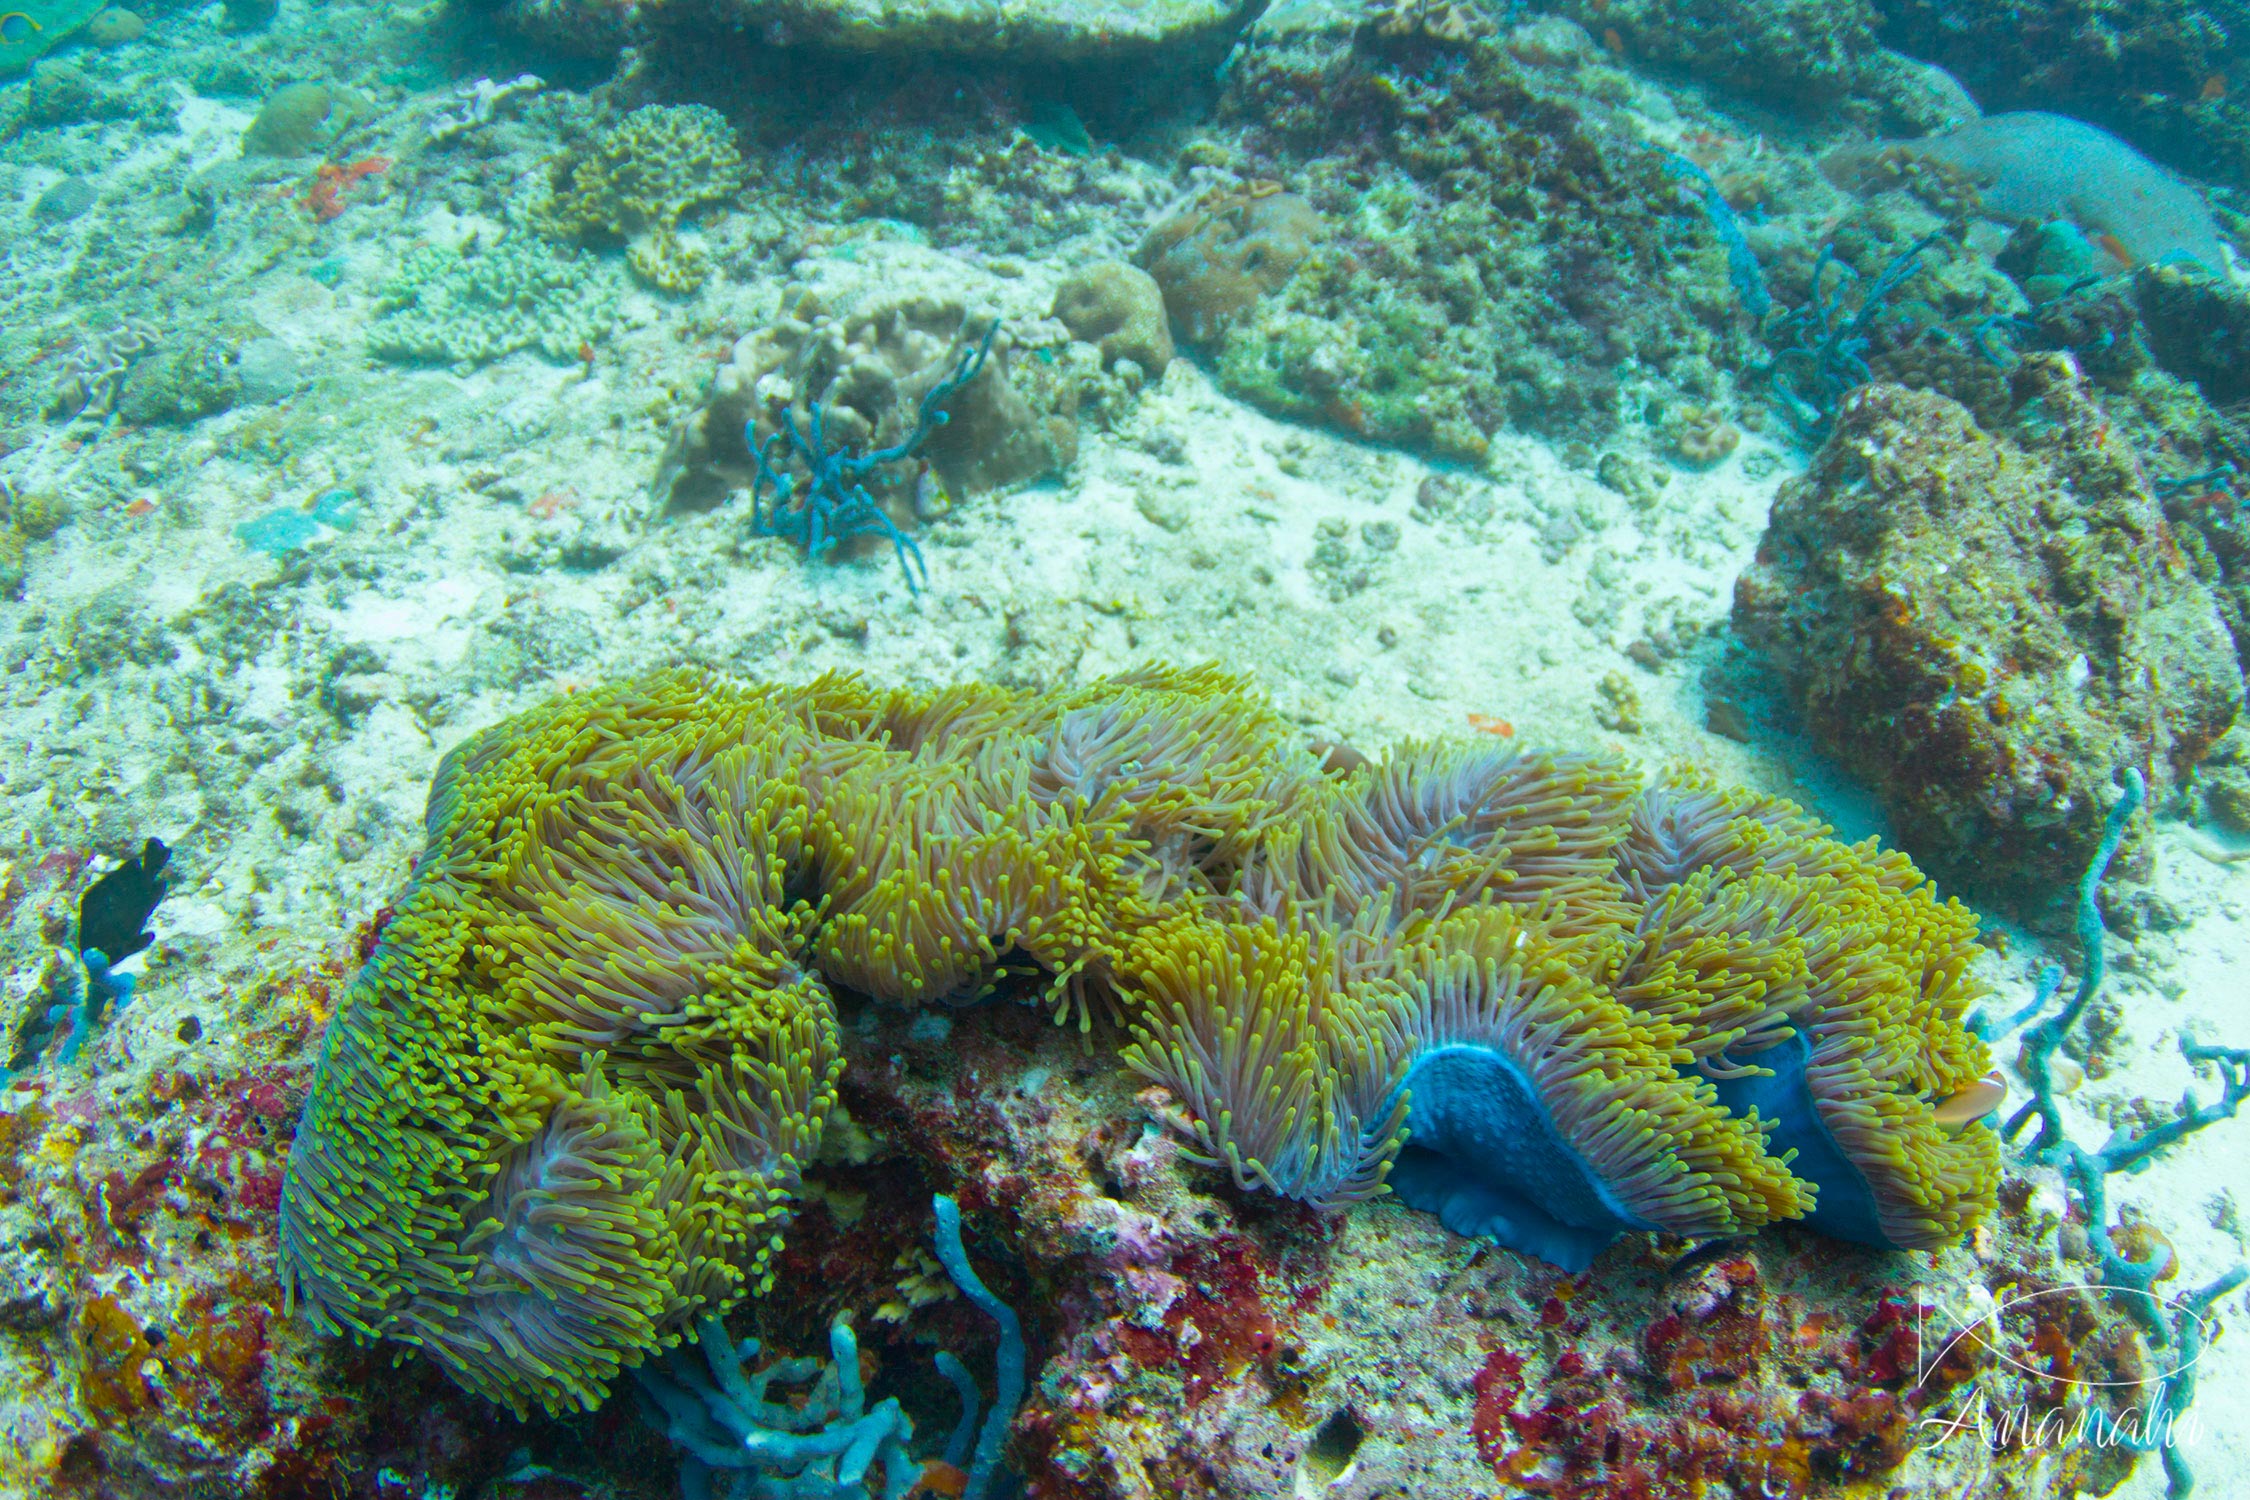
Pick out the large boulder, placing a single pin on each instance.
(1989, 630)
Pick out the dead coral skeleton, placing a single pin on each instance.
(94, 376)
(475, 104)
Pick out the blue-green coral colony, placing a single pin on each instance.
(564, 1106)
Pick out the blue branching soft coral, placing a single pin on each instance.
(835, 502)
(984, 1461)
(2088, 1171)
(830, 1445)
(83, 993)
(102, 983)
(1743, 271)
(824, 1448)
(1820, 348)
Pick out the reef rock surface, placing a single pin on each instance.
(1989, 630)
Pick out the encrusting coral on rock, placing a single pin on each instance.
(561, 1113)
(1988, 630)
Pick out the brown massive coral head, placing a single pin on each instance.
(562, 1110)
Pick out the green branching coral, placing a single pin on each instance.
(563, 1108)
(638, 180)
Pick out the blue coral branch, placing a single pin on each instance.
(823, 1449)
(834, 503)
(1743, 271)
(2043, 989)
(1821, 350)
(2088, 1172)
(102, 983)
(1009, 1375)
(86, 992)
(959, 1446)
(2041, 1042)
(2176, 1390)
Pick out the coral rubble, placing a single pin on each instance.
(562, 1111)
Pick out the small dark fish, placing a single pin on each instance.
(1705, 1253)
(113, 914)
(1055, 126)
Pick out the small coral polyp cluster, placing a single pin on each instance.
(562, 1110)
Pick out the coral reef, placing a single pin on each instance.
(637, 180)
(481, 303)
(1364, 1052)
(2142, 68)
(1477, 248)
(650, 893)
(2040, 167)
(1803, 53)
(1989, 630)
(867, 359)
